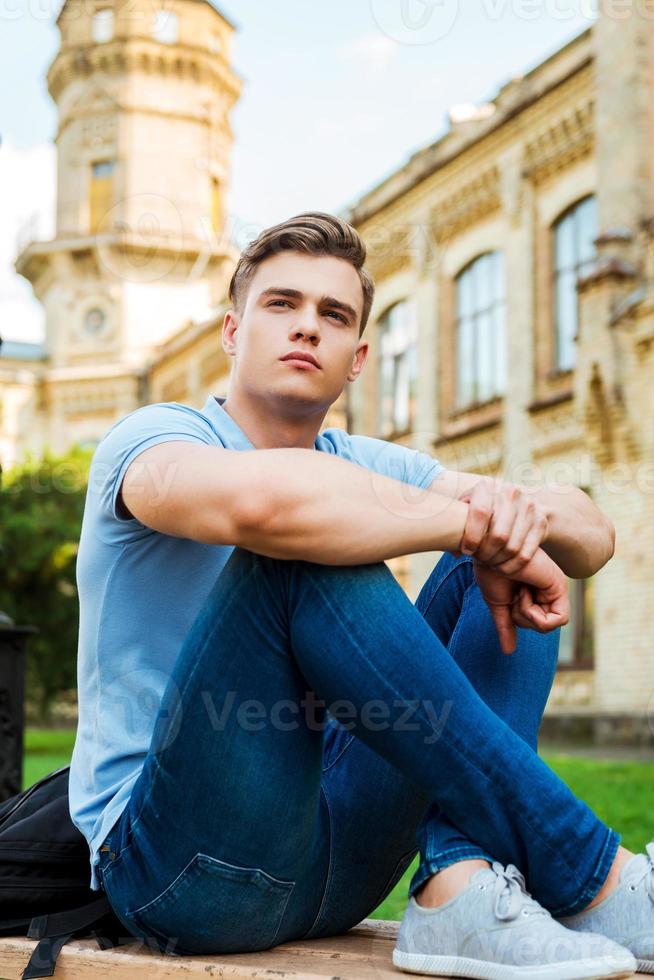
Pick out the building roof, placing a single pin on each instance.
(21, 350)
(511, 98)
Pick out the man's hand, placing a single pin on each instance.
(505, 525)
(535, 598)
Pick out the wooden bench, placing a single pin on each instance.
(363, 953)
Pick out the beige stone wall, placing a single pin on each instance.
(500, 183)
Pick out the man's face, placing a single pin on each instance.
(298, 302)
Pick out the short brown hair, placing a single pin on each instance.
(314, 233)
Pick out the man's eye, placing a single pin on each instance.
(284, 301)
(339, 315)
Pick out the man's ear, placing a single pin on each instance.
(359, 359)
(230, 324)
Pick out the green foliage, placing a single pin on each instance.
(41, 508)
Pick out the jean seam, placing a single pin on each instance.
(439, 586)
(597, 878)
(456, 748)
(434, 864)
(408, 854)
(457, 628)
(340, 754)
(328, 876)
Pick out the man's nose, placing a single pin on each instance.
(307, 324)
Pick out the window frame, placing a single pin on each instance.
(103, 24)
(383, 324)
(582, 626)
(557, 367)
(497, 304)
(170, 23)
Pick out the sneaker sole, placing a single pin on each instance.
(646, 966)
(602, 968)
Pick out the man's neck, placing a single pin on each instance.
(266, 430)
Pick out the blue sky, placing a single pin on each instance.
(337, 94)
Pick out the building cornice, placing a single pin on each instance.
(511, 100)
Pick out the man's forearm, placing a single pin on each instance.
(328, 510)
(580, 538)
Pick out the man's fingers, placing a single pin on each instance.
(542, 617)
(480, 513)
(524, 542)
(505, 627)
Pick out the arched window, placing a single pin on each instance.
(165, 27)
(398, 335)
(102, 26)
(480, 330)
(574, 250)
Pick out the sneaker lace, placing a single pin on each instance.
(648, 872)
(510, 894)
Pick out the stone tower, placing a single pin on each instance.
(144, 92)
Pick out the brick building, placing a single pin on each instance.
(513, 329)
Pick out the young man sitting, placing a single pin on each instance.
(269, 729)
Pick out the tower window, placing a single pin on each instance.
(102, 27)
(101, 192)
(165, 27)
(216, 209)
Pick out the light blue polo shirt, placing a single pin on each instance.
(140, 590)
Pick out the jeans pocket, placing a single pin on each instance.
(216, 907)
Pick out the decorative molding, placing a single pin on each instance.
(550, 401)
(609, 432)
(390, 256)
(563, 142)
(142, 54)
(467, 204)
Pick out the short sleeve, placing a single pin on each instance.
(389, 458)
(128, 438)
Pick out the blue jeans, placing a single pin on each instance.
(317, 730)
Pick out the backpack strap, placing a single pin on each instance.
(57, 923)
(44, 957)
(55, 930)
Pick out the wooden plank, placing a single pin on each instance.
(363, 953)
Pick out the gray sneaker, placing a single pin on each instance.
(495, 930)
(627, 914)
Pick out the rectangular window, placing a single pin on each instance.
(573, 251)
(101, 194)
(576, 643)
(480, 331)
(216, 205)
(398, 368)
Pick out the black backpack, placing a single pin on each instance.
(44, 876)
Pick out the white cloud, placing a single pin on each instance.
(27, 197)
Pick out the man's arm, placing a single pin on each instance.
(307, 505)
(287, 503)
(577, 535)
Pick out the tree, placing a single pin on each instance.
(41, 509)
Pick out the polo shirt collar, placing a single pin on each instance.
(225, 424)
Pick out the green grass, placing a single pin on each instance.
(620, 793)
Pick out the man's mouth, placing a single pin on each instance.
(302, 360)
